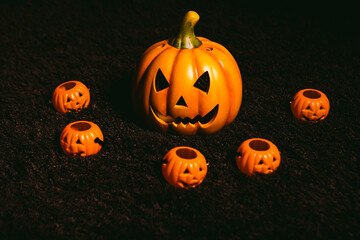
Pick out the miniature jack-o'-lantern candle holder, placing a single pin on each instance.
(81, 138)
(257, 155)
(187, 84)
(71, 96)
(310, 105)
(184, 167)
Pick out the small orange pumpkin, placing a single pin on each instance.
(310, 105)
(257, 155)
(81, 138)
(187, 84)
(71, 96)
(184, 167)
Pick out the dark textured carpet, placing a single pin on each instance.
(120, 192)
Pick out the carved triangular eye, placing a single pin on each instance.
(160, 81)
(203, 82)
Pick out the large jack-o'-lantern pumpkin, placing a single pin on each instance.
(187, 84)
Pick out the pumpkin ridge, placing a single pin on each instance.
(65, 133)
(199, 66)
(144, 86)
(295, 102)
(195, 67)
(168, 96)
(72, 141)
(75, 138)
(277, 157)
(60, 106)
(312, 106)
(227, 82)
(298, 102)
(253, 158)
(174, 173)
(69, 138)
(269, 159)
(227, 55)
(245, 156)
(84, 143)
(197, 75)
(64, 99)
(170, 164)
(305, 102)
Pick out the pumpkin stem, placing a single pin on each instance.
(186, 38)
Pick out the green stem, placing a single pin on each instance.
(186, 38)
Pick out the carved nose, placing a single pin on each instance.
(181, 102)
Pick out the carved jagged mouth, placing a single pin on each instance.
(189, 185)
(314, 120)
(203, 120)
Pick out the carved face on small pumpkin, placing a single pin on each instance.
(310, 105)
(71, 96)
(188, 89)
(184, 167)
(81, 138)
(257, 155)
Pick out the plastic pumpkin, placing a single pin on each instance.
(81, 138)
(257, 155)
(187, 84)
(184, 167)
(71, 96)
(310, 105)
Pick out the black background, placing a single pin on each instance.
(280, 48)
